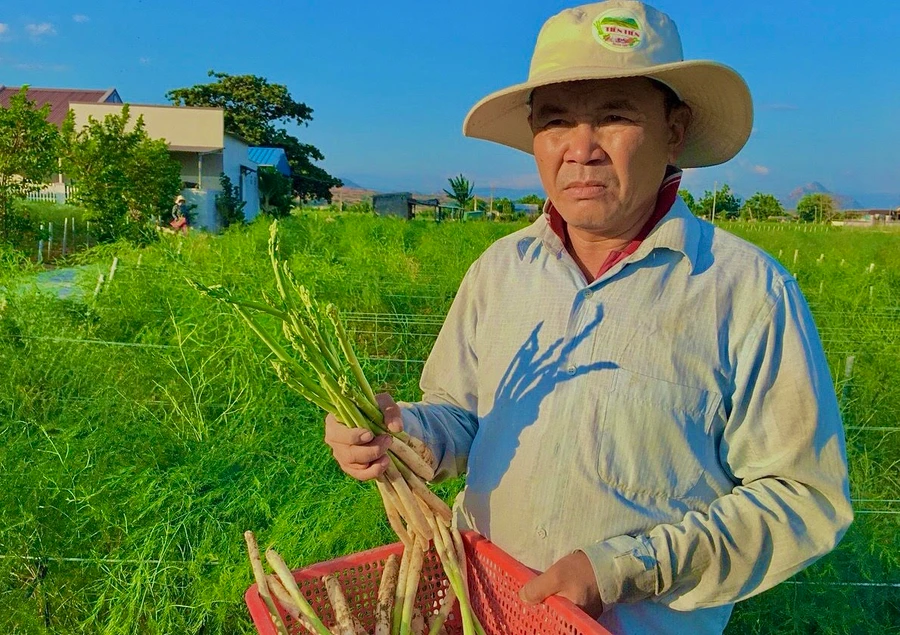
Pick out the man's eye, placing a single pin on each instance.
(615, 119)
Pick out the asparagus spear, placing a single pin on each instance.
(386, 591)
(261, 586)
(339, 603)
(287, 579)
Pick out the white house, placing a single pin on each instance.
(198, 141)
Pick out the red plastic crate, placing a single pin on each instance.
(494, 582)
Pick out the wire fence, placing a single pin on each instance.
(400, 328)
(216, 562)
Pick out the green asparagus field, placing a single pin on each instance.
(142, 429)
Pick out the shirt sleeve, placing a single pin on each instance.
(446, 417)
(784, 443)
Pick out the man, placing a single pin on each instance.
(640, 401)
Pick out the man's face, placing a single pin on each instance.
(602, 147)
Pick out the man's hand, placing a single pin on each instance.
(359, 452)
(573, 578)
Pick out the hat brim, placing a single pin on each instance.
(717, 95)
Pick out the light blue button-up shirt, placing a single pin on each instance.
(674, 419)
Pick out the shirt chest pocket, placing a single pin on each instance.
(655, 435)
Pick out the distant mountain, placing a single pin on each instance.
(878, 200)
(843, 201)
(351, 185)
(351, 194)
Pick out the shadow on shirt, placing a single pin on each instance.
(530, 377)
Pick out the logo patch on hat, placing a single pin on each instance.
(618, 30)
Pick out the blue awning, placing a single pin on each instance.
(273, 157)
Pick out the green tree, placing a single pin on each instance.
(727, 205)
(761, 206)
(689, 200)
(504, 206)
(254, 108)
(462, 191)
(532, 199)
(229, 204)
(360, 207)
(29, 147)
(121, 176)
(815, 207)
(274, 192)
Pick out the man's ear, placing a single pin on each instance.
(678, 123)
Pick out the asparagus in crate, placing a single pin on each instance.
(319, 363)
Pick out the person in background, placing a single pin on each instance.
(179, 221)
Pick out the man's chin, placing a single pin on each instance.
(586, 215)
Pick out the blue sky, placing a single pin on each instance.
(390, 82)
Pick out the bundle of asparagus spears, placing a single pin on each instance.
(325, 370)
(395, 612)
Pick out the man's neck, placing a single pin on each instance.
(590, 249)
(596, 251)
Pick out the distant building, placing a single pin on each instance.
(60, 98)
(271, 157)
(196, 139)
(866, 217)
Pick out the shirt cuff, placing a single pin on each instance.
(411, 423)
(625, 569)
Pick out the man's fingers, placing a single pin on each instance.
(374, 470)
(365, 454)
(339, 434)
(539, 589)
(391, 412)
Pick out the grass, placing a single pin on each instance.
(131, 472)
(41, 216)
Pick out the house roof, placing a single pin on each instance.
(274, 157)
(194, 149)
(60, 98)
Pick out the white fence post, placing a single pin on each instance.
(100, 279)
(112, 270)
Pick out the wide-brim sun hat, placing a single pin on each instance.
(618, 39)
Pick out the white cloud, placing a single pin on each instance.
(37, 30)
(760, 169)
(80, 18)
(4, 28)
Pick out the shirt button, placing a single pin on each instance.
(571, 370)
(541, 532)
(588, 293)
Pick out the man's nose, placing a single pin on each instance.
(584, 145)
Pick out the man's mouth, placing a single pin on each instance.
(584, 189)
